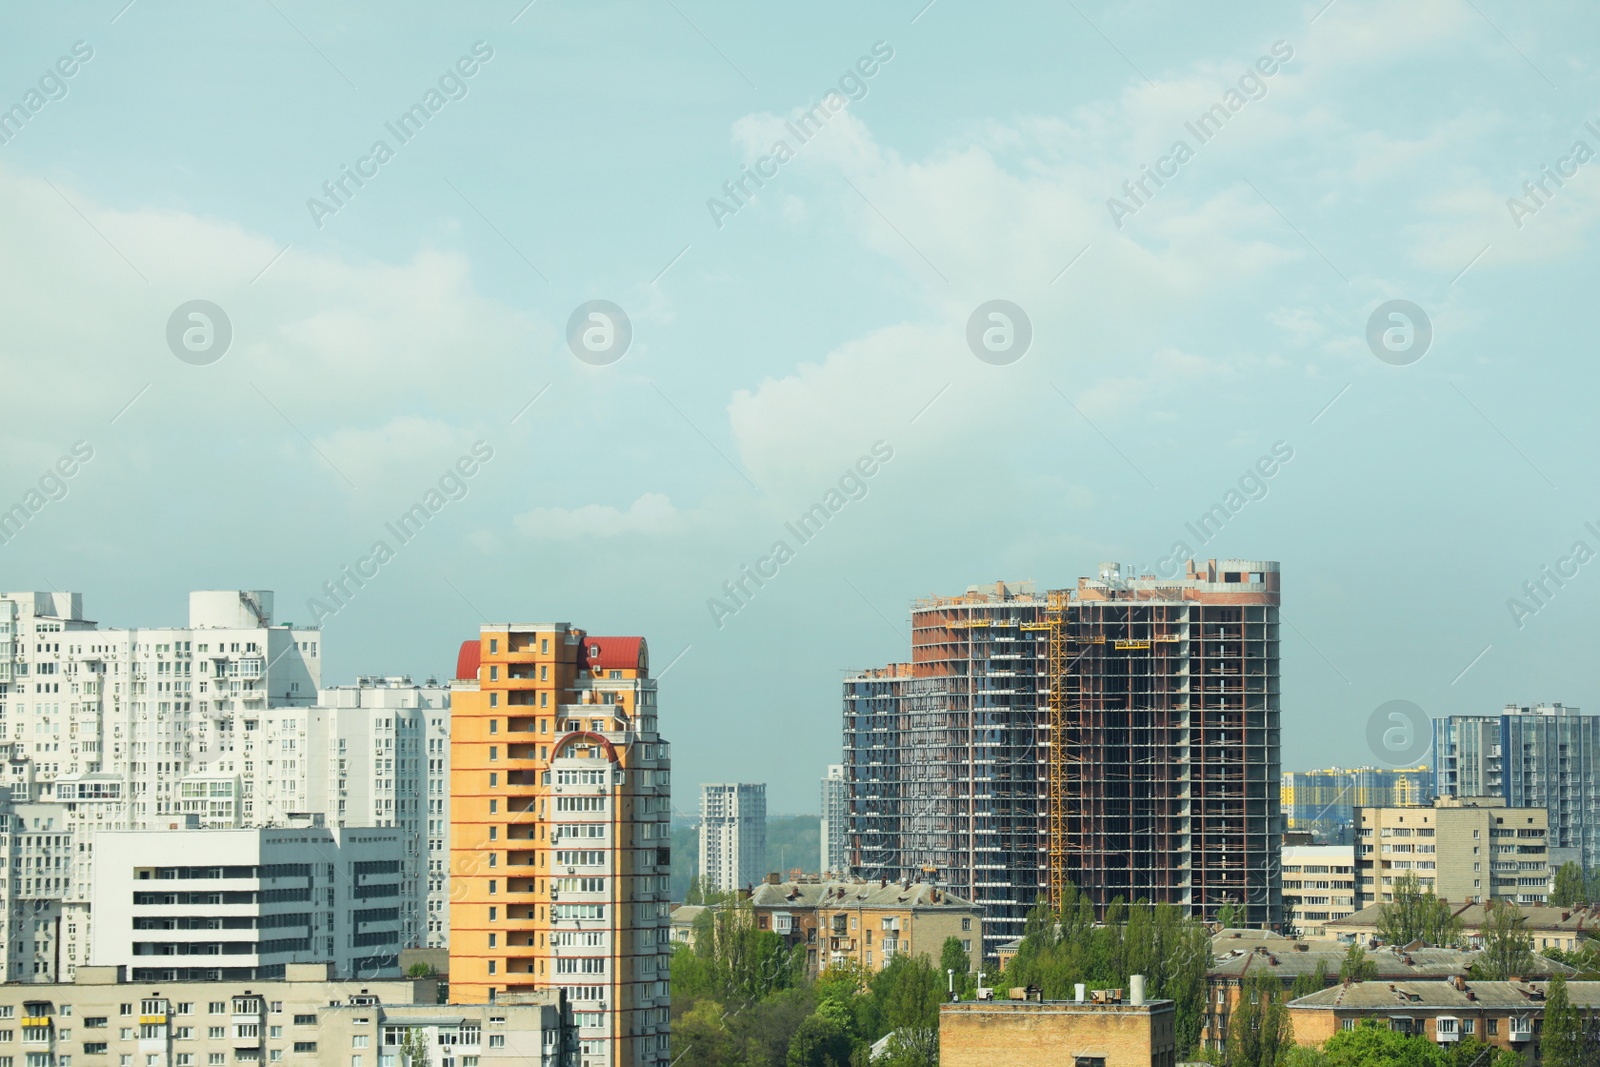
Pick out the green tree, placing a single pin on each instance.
(1374, 1045)
(1414, 914)
(1259, 1030)
(416, 1050)
(1561, 1037)
(952, 957)
(820, 1042)
(1507, 948)
(1230, 916)
(905, 998)
(1307, 983)
(1470, 1052)
(1571, 887)
(1355, 967)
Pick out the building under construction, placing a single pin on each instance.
(1122, 736)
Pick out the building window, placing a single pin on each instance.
(966, 924)
(494, 700)
(497, 1040)
(491, 966)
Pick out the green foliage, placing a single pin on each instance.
(1470, 1052)
(1585, 958)
(820, 1042)
(904, 1001)
(420, 970)
(1571, 886)
(732, 961)
(1561, 1038)
(1374, 1045)
(1414, 914)
(1307, 984)
(1355, 967)
(1507, 948)
(1259, 1031)
(952, 957)
(1230, 916)
(415, 1050)
(1060, 949)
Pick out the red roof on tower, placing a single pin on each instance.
(616, 653)
(468, 659)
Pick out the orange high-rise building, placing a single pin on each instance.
(560, 808)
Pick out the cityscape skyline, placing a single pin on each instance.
(1235, 323)
(798, 784)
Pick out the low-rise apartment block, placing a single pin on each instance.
(1463, 848)
(1242, 956)
(1567, 929)
(1506, 1015)
(303, 1019)
(868, 922)
(211, 905)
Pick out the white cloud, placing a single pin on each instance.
(651, 515)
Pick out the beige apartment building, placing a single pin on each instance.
(870, 922)
(1319, 886)
(1468, 849)
(304, 1019)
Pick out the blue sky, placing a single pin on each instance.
(1228, 313)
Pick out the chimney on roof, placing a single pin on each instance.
(772, 878)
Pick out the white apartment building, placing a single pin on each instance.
(835, 822)
(376, 753)
(36, 849)
(733, 835)
(224, 905)
(138, 728)
(149, 707)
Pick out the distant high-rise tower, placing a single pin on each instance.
(733, 835)
(560, 836)
(1545, 756)
(835, 807)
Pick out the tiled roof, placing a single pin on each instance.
(918, 895)
(1381, 996)
(1534, 917)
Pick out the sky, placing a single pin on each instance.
(1162, 339)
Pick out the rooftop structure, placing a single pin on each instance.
(1029, 1033)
